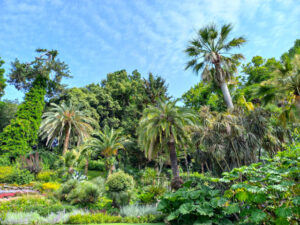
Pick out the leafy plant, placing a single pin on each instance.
(138, 210)
(268, 193)
(46, 176)
(198, 205)
(151, 194)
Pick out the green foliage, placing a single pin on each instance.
(2, 79)
(120, 186)
(81, 193)
(6, 173)
(204, 94)
(268, 193)
(8, 110)
(151, 194)
(22, 134)
(37, 204)
(85, 192)
(138, 210)
(98, 165)
(14, 175)
(46, 176)
(198, 205)
(105, 218)
(20, 176)
(103, 203)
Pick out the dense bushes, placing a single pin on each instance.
(37, 204)
(46, 176)
(120, 186)
(97, 165)
(15, 175)
(199, 205)
(268, 193)
(105, 218)
(259, 194)
(81, 193)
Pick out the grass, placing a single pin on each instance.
(94, 173)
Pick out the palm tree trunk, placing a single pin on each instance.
(66, 143)
(226, 95)
(298, 101)
(176, 181)
(86, 167)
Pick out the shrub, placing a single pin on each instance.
(120, 186)
(32, 163)
(151, 194)
(66, 188)
(20, 176)
(38, 204)
(102, 203)
(138, 210)
(35, 218)
(105, 218)
(85, 192)
(46, 176)
(6, 173)
(198, 205)
(4, 161)
(100, 182)
(50, 187)
(269, 193)
(97, 165)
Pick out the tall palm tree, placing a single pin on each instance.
(64, 121)
(211, 54)
(107, 142)
(161, 128)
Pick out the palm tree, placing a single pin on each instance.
(163, 127)
(64, 121)
(107, 142)
(210, 53)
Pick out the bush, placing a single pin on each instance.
(120, 186)
(38, 204)
(4, 161)
(151, 194)
(198, 205)
(50, 187)
(46, 176)
(85, 192)
(138, 210)
(21, 176)
(103, 203)
(66, 188)
(105, 218)
(269, 193)
(97, 165)
(35, 218)
(6, 173)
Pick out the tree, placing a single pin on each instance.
(62, 122)
(204, 94)
(40, 77)
(108, 143)
(209, 52)
(2, 80)
(163, 127)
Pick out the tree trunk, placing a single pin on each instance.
(176, 181)
(66, 143)
(226, 95)
(86, 168)
(298, 101)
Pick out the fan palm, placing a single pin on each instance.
(211, 54)
(107, 142)
(64, 121)
(163, 127)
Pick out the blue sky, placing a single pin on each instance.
(95, 37)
